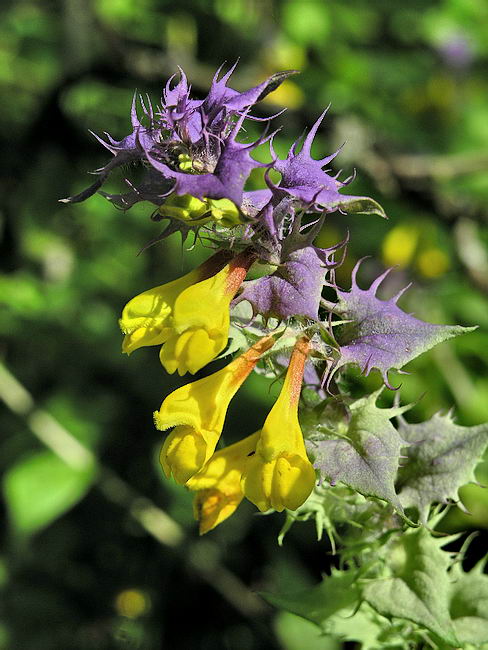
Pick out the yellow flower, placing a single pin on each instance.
(198, 212)
(197, 411)
(145, 318)
(189, 316)
(201, 318)
(218, 483)
(279, 475)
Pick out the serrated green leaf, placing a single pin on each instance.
(362, 453)
(337, 592)
(42, 487)
(469, 604)
(442, 457)
(419, 589)
(332, 607)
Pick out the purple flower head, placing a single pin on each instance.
(233, 166)
(202, 132)
(179, 114)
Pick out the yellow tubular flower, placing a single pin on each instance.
(146, 318)
(279, 475)
(218, 483)
(197, 411)
(200, 320)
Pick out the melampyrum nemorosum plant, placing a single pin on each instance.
(373, 481)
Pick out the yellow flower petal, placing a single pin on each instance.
(200, 320)
(280, 475)
(224, 469)
(152, 307)
(192, 350)
(218, 483)
(211, 507)
(201, 407)
(147, 318)
(183, 453)
(284, 482)
(145, 336)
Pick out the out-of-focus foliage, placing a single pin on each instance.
(81, 564)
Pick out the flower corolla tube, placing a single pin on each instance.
(279, 474)
(197, 412)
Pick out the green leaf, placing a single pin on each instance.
(42, 487)
(442, 457)
(294, 633)
(337, 592)
(361, 205)
(363, 453)
(340, 508)
(419, 590)
(469, 604)
(369, 629)
(331, 605)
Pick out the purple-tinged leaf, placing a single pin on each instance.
(127, 150)
(380, 335)
(362, 451)
(254, 201)
(153, 187)
(293, 290)
(222, 97)
(304, 177)
(442, 457)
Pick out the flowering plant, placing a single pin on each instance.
(374, 487)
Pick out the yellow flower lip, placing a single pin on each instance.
(152, 308)
(283, 482)
(183, 453)
(211, 507)
(197, 411)
(200, 335)
(218, 483)
(167, 315)
(280, 475)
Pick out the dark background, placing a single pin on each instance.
(99, 551)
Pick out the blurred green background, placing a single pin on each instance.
(98, 550)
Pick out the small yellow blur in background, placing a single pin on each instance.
(132, 603)
(406, 245)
